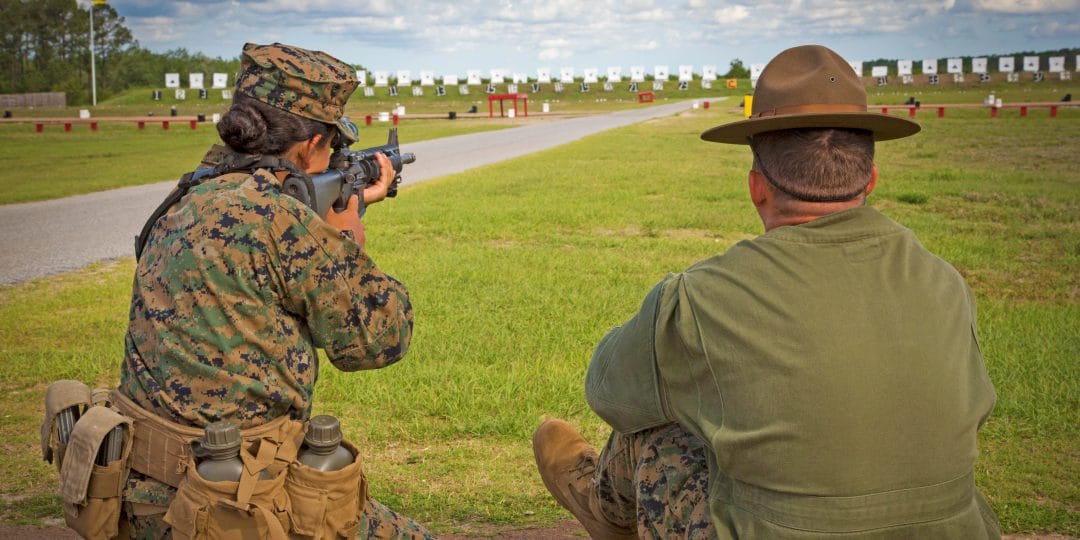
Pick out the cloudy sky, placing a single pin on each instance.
(451, 37)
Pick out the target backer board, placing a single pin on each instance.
(755, 71)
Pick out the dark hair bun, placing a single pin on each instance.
(244, 128)
(253, 127)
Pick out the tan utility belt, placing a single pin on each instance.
(162, 449)
(276, 495)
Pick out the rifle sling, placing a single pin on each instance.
(234, 162)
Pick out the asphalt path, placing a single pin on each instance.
(49, 237)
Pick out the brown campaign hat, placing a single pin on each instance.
(810, 87)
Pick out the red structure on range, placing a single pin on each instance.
(492, 98)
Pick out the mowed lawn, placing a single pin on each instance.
(517, 269)
(56, 163)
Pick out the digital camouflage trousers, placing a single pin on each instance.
(657, 478)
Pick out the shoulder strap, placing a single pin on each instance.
(232, 162)
(174, 196)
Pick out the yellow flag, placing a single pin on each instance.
(100, 2)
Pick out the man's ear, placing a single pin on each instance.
(873, 180)
(759, 187)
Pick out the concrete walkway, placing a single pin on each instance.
(49, 237)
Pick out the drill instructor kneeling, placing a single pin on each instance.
(821, 380)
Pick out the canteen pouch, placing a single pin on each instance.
(327, 504)
(250, 508)
(60, 395)
(91, 492)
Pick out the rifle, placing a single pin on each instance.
(350, 171)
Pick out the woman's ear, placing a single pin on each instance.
(307, 149)
(315, 142)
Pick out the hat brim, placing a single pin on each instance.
(347, 129)
(884, 127)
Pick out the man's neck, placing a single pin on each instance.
(799, 212)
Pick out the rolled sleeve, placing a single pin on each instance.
(622, 383)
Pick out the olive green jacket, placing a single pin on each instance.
(833, 368)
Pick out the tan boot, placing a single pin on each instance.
(566, 463)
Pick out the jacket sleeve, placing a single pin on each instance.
(360, 316)
(622, 383)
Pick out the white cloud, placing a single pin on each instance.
(523, 34)
(732, 14)
(1055, 28)
(156, 29)
(652, 15)
(1027, 6)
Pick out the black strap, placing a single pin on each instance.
(233, 162)
(172, 198)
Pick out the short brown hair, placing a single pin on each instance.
(816, 164)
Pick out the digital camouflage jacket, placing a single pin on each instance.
(236, 288)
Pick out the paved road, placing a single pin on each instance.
(49, 237)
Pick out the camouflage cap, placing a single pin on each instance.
(311, 84)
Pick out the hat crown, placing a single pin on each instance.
(308, 83)
(810, 87)
(810, 78)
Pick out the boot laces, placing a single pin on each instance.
(584, 467)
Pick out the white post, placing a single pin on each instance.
(93, 70)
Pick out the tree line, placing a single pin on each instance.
(45, 47)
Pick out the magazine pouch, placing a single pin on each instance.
(61, 396)
(92, 492)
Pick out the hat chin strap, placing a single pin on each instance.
(812, 108)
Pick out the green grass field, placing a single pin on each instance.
(517, 270)
(54, 163)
